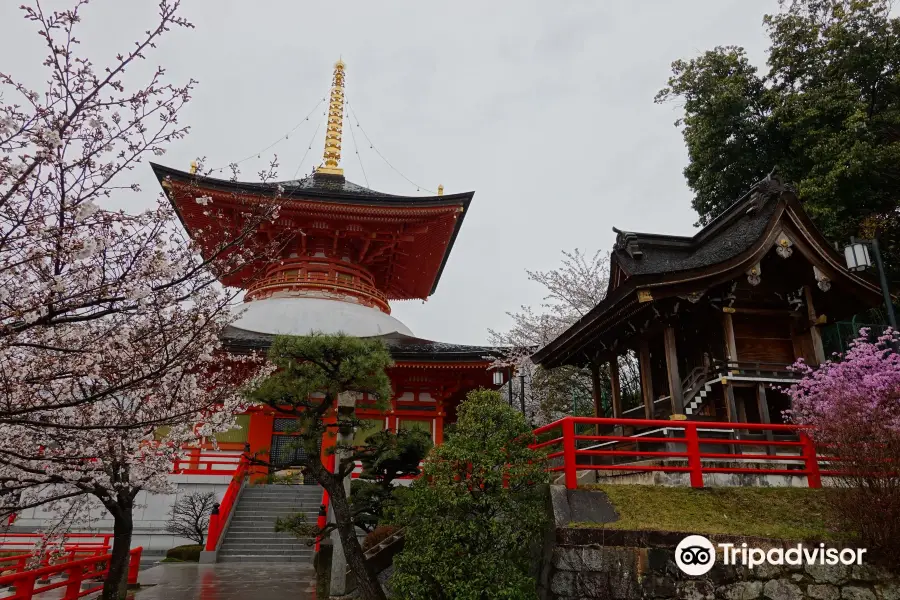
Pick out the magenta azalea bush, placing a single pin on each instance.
(852, 404)
(860, 388)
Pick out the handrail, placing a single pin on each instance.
(317, 281)
(805, 462)
(206, 465)
(690, 381)
(219, 517)
(21, 562)
(24, 582)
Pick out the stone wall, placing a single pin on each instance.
(623, 573)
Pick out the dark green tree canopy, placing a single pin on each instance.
(309, 366)
(826, 112)
(313, 372)
(474, 515)
(385, 457)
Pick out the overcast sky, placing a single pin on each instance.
(544, 109)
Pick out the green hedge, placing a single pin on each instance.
(189, 553)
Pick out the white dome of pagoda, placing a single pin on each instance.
(302, 316)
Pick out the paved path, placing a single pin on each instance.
(227, 581)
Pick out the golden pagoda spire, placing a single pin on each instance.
(335, 124)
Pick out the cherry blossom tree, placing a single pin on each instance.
(109, 319)
(852, 404)
(96, 451)
(572, 290)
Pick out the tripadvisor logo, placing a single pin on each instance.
(695, 555)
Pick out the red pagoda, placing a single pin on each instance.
(346, 252)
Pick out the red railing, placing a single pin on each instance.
(28, 542)
(218, 519)
(212, 463)
(25, 583)
(629, 453)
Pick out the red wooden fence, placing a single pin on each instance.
(25, 583)
(27, 542)
(212, 463)
(569, 451)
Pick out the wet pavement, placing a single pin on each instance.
(227, 581)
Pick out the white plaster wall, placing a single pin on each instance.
(151, 513)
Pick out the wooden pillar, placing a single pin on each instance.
(675, 390)
(814, 332)
(763, 406)
(392, 415)
(646, 378)
(731, 409)
(259, 438)
(616, 399)
(730, 343)
(439, 424)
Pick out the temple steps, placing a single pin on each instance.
(251, 535)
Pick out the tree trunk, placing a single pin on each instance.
(116, 585)
(366, 579)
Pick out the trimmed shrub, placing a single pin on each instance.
(378, 535)
(187, 553)
(474, 517)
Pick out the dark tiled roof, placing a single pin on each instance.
(402, 347)
(332, 184)
(726, 237)
(317, 185)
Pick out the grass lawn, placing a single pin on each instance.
(783, 513)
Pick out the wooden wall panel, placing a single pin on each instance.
(764, 339)
(765, 350)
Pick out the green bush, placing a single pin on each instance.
(188, 553)
(378, 535)
(385, 457)
(474, 517)
(285, 478)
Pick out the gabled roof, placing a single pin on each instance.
(648, 266)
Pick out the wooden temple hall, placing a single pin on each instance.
(715, 320)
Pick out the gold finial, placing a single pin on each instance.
(335, 124)
(440, 189)
(194, 167)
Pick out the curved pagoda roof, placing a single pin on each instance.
(404, 241)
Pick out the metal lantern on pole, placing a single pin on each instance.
(857, 256)
(498, 378)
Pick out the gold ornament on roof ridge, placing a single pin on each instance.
(333, 133)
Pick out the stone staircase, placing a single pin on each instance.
(251, 535)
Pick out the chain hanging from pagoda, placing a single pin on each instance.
(386, 161)
(282, 138)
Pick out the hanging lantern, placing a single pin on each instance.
(498, 378)
(857, 256)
